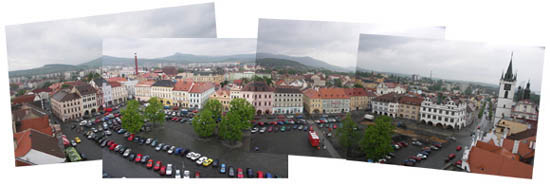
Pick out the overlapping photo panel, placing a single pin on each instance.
(447, 105)
(185, 117)
(304, 84)
(60, 110)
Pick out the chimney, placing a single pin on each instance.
(136, 63)
(516, 147)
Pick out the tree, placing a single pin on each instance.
(244, 110)
(132, 120)
(215, 107)
(91, 76)
(64, 86)
(347, 134)
(357, 85)
(338, 83)
(154, 111)
(204, 123)
(229, 128)
(376, 141)
(20, 92)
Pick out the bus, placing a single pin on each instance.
(313, 138)
(72, 154)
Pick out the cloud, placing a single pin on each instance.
(455, 60)
(162, 47)
(333, 42)
(79, 40)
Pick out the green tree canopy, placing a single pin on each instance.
(229, 128)
(154, 111)
(244, 110)
(132, 120)
(204, 123)
(215, 107)
(347, 135)
(376, 141)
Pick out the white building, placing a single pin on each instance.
(386, 88)
(506, 93)
(387, 105)
(444, 112)
(199, 94)
(288, 100)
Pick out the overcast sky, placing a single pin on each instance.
(454, 60)
(333, 42)
(79, 40)
(162, 47)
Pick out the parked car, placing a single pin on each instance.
(171, 150)
(186, 174)
(240, 173)
(201, 160)
(458, 148)
(249, 173)
(159, 147)
(169, 169)
(222, 168)
(157, 166)
(162, 171)
(149, 164)
(138, 158)
(231, 172)
(127, 152)
(177, 174)
(254, 130)
(148, 141)
(207, 162)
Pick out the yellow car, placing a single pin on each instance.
(77, 139)
(207, 162)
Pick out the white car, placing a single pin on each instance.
(186, 174)
(422, 156)
(193, 156)
(201, 160)
(127, 152)
(171, 150)
(177, 174)
(169, 169)
(262, 130)
(254, 130)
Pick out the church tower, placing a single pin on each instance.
(506, 94)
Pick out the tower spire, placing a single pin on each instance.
(509, 74)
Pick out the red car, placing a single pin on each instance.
(112, 147)
(138, 158)
(452, 156)
(158, 164)
(197, 174)
(149, 163)
(458, 148)
(260, 174)
(273, 123)
(117, 115)
(415, 158)
(261, 123)
(131, 137)
(458, 163)
(106, 114)
(110, 142)
(310, 128)
(269, 129)
(240, 173)
(97, 120)
(334, 126)
(162, 170)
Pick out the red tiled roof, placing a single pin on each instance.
(117, 79)
(33, 139)
(23, 99)
(491, 161)
(523, 149)
(200, 87)
(411, 100)
(238, 81)
(38, 90)
(114, 83)
(390, 98)
(327, 93)
(355, 91)
(183, 85)
(145, 83)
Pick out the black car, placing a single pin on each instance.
(136, 139)
(131, 156)
(249, 173)
(145, 158)
(166, 147)
(122, 149)
(83, 156)
(215, 163)
(104, 143)
(185, 151)
(141, 141)
(231, 172)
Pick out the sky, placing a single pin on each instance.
(453, 60)
(333, 42)
(76, 41)
(162, 47)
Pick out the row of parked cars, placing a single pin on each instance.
(199, 159)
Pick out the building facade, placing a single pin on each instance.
(199, 94)
(444, 112)
(143, 90)
(386, 104)
(506, 92)
(409, 107)
(287, 100)
(162, 89)
(260, 95)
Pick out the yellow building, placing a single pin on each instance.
(162, 89)
(223, 96)
(313, 103)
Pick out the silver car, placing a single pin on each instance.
(127, 152)
(177, 174)
(169, 169)
(186, 174)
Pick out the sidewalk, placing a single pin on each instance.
(326, 142)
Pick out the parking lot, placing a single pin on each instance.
(182, 135)
(294, 141)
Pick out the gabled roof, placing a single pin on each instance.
(63, 96)
(411, 100)
(145, 83)
(257, 86)
(388, 98)
(183, 85)
(164, 83)
(85, 89)
(117, 79)
(23, 99)
(114, 84)
(33, 139)
(489, 159)
(99, 81)
(200, 87)
(356, 91)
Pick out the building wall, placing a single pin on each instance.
(445, 114)
(143, 93)
(385, 108)
(288, 103)
(409, 111)
(336, 105)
